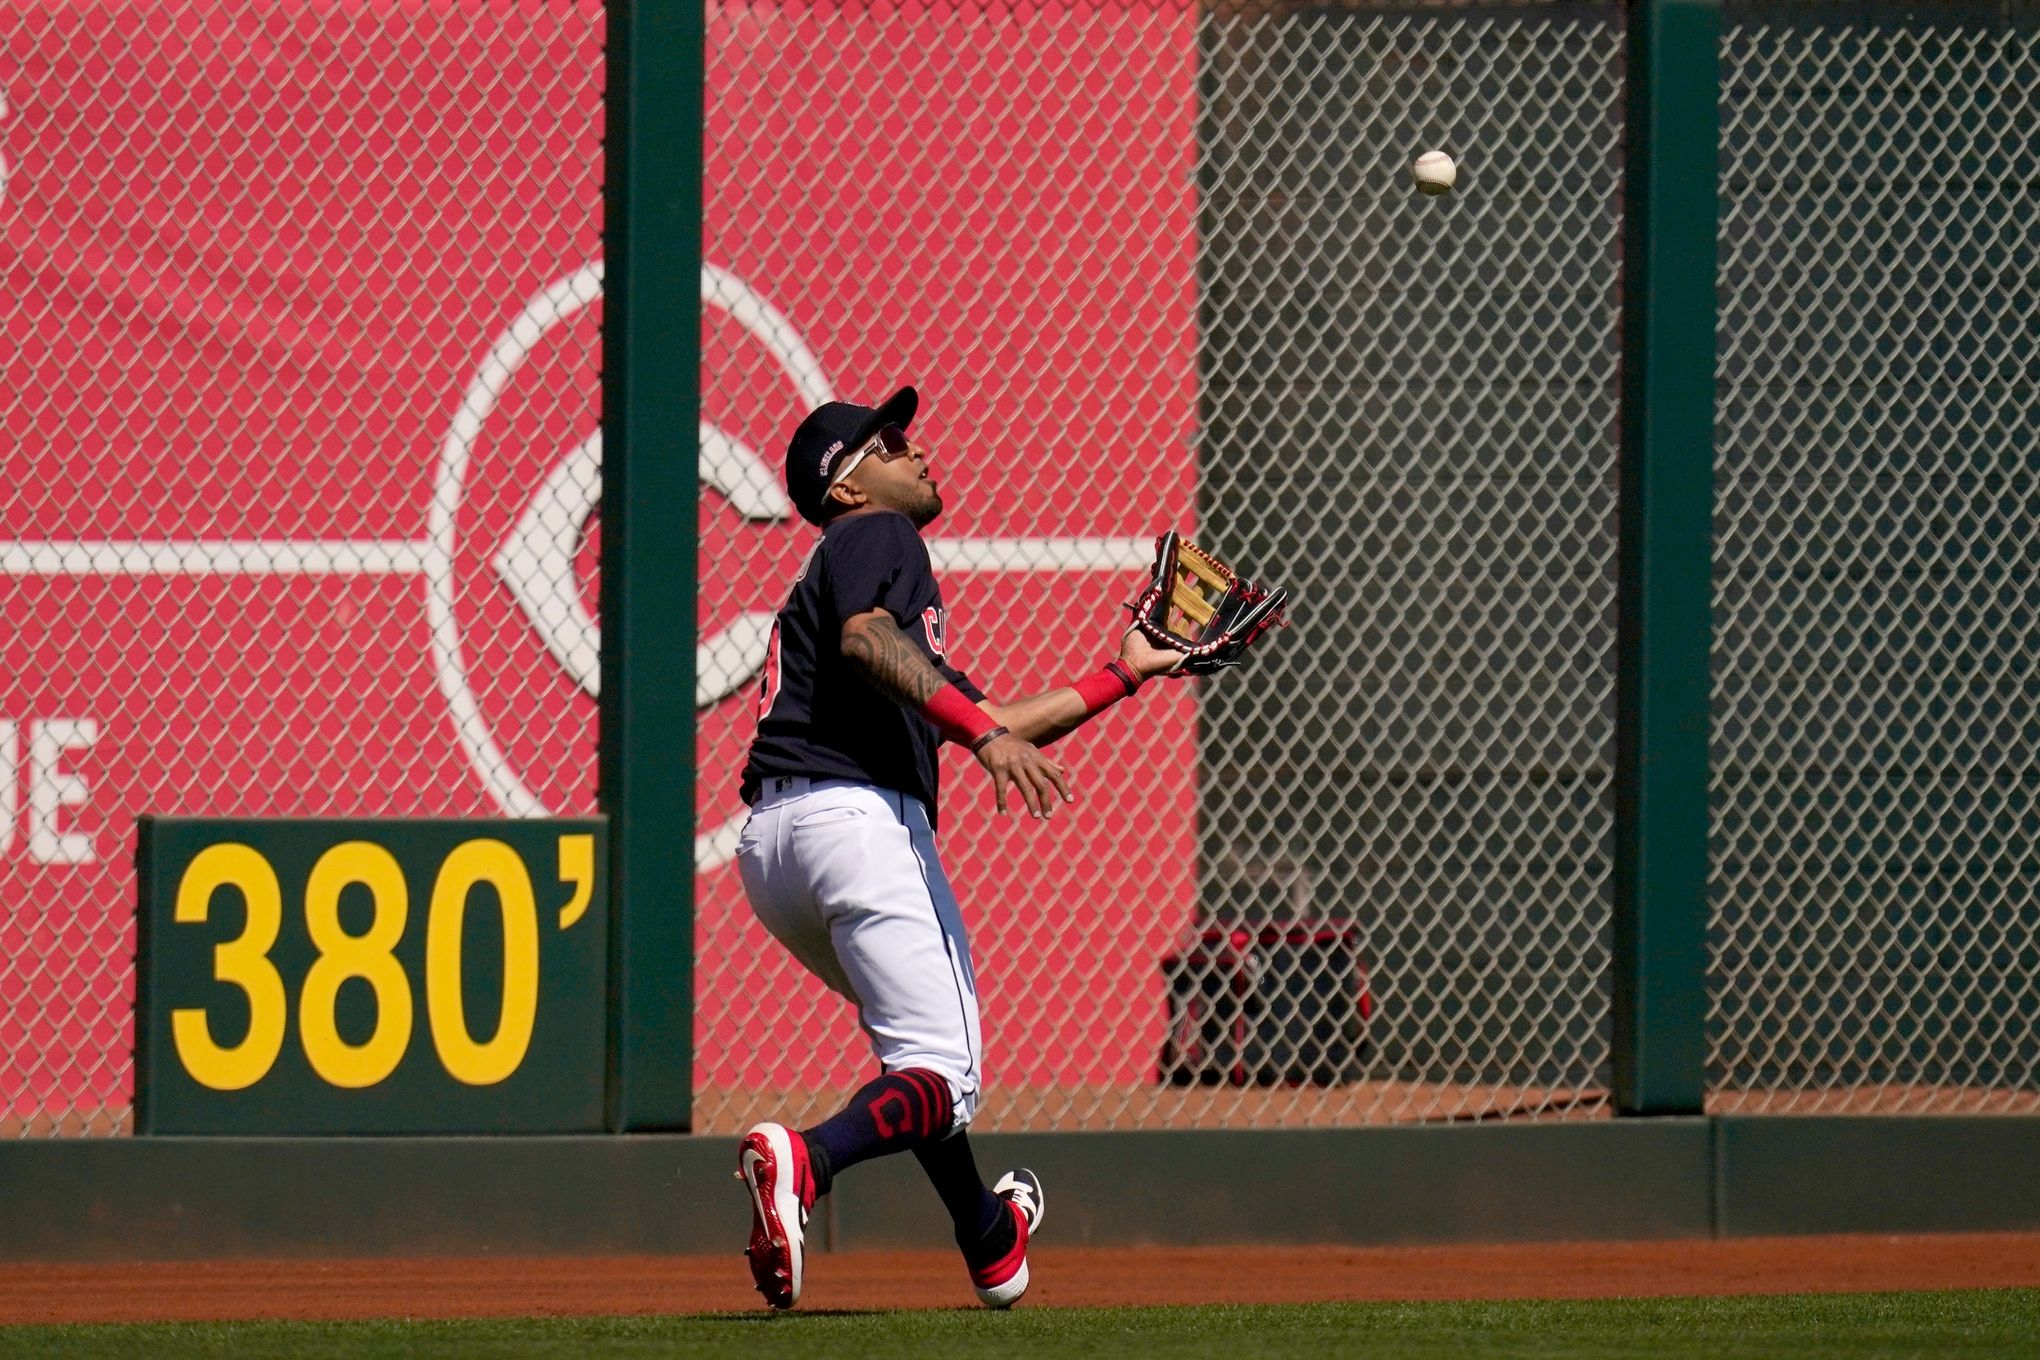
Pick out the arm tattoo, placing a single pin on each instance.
(890, 663)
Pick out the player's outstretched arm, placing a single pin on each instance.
(1054, 714)
(876, 648)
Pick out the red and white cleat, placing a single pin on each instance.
(772, 1162)
(1000, 1284)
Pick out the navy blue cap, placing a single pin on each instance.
(828, 435)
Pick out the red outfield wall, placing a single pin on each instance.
(302, 352)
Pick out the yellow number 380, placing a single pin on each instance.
(244, 961)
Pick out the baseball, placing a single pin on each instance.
(1434, 172)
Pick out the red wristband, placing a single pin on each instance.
(956, 717)
(1105, 687)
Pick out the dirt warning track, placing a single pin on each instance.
(1067, 1277)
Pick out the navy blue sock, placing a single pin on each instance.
(895, 1112)
(984, 1225)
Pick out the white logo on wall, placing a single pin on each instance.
(536, 561)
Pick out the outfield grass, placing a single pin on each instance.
(2003, 1322)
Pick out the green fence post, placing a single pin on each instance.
(651, 402)
(1663, 595)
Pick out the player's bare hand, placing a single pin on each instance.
(1036, 781)
(1147, 660)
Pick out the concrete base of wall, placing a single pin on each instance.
(1844, 1174)
(195, 1198)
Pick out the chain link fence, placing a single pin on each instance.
(1153, 265)
(302, 352)
(1877, 737)
(1411, 406)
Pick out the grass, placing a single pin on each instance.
(2004, 1322)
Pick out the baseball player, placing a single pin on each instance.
(838, 856)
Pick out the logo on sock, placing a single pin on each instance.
(886, 1127)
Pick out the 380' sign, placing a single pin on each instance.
(250, 925)
(371, 956)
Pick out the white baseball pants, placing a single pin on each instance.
(845, 875)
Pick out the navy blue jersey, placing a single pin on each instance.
(816, 715)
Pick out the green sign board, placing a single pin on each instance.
(374, 976)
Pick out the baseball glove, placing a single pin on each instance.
(1197, 605)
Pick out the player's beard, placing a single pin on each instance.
(924, 513)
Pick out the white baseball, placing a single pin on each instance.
(1434, 172)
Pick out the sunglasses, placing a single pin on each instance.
(888, 443)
